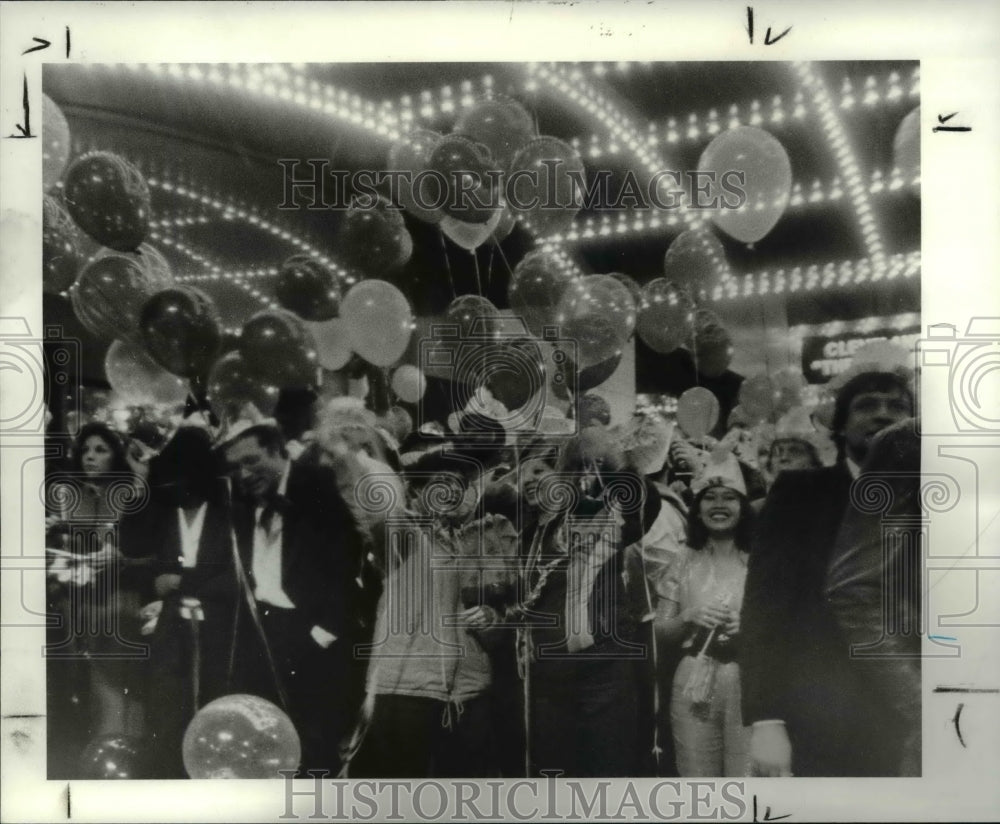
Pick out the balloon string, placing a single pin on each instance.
(447, 265)
(489, 271)
(694, 336)
(479, 283)
(503, 257)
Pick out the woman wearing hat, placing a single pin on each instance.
(706, 588)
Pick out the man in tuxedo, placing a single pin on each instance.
(805, 698)
(301, 550)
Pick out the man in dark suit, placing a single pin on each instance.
(301, 550)
(810, 710)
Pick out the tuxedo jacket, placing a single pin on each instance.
(795, 661)
(321, 552)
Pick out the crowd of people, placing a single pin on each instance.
(618, 602)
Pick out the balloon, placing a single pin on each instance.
(570, 380)
(138, 380)
(55, 143)
(240, 736)
(739, 417)
(906, 146)
(665, 316)
(417, 192)
(180, 327)
(544, 185)
(409, 383)
(505, 226)
(697, 412)
(379, 321)
(757, 398)
(109, 294)
(787, 385)
(307, 288)
(61, 256)
(501, 124)
(333, 344)
(399, 422)
(696, 260)
(232, 385)
(470, 236)
(767, 183)
(513, 371)
(109, 199)
(475, 316)
(111, 757)
(373, 238)
(278, 348)
(463, 166)
(536, 287)
(597, 313)
(634, 289)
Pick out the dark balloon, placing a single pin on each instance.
(307, 288)
(464, 166)
(279, 348)
(232, 384)
(109, 199)
(513, 371)
(111, 757)
(475, 316)
(180, 327)
(373, 238)
(61, 255)
(109, 295)
(501, 124)
(571, 379)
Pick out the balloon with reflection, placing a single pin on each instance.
(240, 736)
(470, 236)
(308, 288)
(379, 321)
(544, 185)
(139, 380)
(409, 383)
(505, 225)
(475, 317)
(569, 380)
(372, 237)
(55, 143)
(419, 194)
(665, 316)
(109, 294)
(598, 315)
(697, 412)
(501, 124)
(232, 384)
(463, 166)
(536, 287)
(767, 182)
(180, 327)
(696, 261)
(111, 757)
(61, 255)
(333, 343)
(279, 349)
(906, 146)
(109, 199)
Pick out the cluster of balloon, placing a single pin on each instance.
(546, 177)
(711, 344)
(55, 143)
(240, 736)
(598, 314)
(409, 383)
(308, 288)
(697, 412)
(418, 190)
(139, 380)
(232, 384)
(696, 261)
(111, 757)
(906, 146)
(470, 180)
(279, 349)
(109, 199)
(501, 124)
(766, 184)
(536, 287)
(111, 291)
(180, 327)
(61, 255)
(665, 316)
(373, 237)
(379, 321)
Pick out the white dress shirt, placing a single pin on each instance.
(191, 535)
(267, 553)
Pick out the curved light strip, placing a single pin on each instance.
(847, 164)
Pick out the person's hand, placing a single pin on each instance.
(166, 583)
(478, 618)
(709, 615)
(322, 637)
(138, 456)
(770, 751)
(731, 626)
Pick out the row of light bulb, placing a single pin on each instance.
(906, 320)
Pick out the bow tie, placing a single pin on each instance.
(274, 505)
